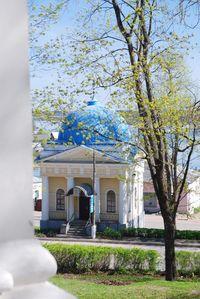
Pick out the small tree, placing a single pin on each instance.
(168, 128)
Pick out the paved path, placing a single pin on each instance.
(182, 223)
(146, 244)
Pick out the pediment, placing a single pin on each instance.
(80, 154)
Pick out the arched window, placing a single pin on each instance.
(60, 200)
(111, 202)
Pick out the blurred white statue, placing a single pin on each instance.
(25, 266)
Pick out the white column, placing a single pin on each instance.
(129, 207)
(97, 201)
(25, 266)
(134, 199)
(70, 199)
(141, 202)
(122, 202)
(45, 198)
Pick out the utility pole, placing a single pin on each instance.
(93, 228)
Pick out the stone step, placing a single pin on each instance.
(74, 225)
(77, 229)
(79, 221)
(76, 232)
(71, 235)
(77, 225)
(77, 237)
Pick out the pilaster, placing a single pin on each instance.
(122, 202)
(70, 199)
(97, 200)
(45, 198)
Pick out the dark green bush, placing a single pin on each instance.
(45, 232)
(188, 234)
(149, 233)
(81, 259)
(111, 233)
(142, 232)
(188, 263)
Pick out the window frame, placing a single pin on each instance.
(60, 206)
(112, 208)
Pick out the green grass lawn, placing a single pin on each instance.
(126, 286)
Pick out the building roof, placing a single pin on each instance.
(92, 125)
(95, 127)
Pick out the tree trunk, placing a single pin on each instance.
(170, 261)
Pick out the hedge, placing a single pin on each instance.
(81, 259)
(188, 263)
(41, 233)
(148, 233)
(130, 232)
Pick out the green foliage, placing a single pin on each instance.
(188, 234)
(136, 258)
(149, 233)
(134, 287)
(143, 232)
(40, 233)
(111, 233)
(196, 210)
(81, 259)
(188, 263)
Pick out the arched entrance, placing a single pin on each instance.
(83, 193)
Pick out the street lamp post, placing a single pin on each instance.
(93, 227)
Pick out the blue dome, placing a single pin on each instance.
(95, 124)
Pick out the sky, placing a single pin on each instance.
(68, 20)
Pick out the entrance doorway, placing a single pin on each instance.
(84, 207)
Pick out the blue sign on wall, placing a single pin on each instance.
(91, 203)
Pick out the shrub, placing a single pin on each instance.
(197, 210)
(135, 259)
(81, 259)
(142, 232)
(45, 232)
(149, 233)
(188, 263)
(111, 233)
(188, 234)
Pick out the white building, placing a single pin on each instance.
(190, 198)
(67, 169)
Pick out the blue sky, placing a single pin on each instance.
(68, 20)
